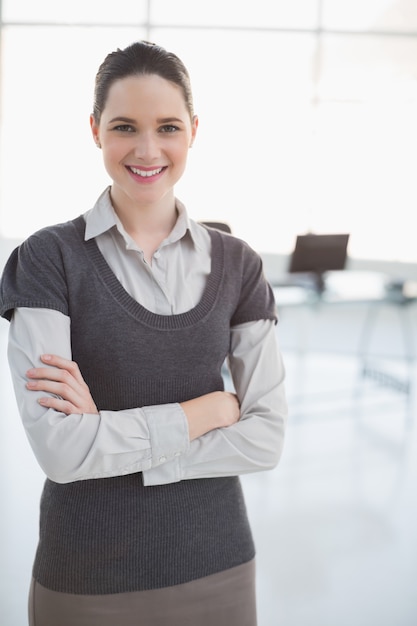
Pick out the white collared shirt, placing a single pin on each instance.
(153, 440)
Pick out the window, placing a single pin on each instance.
(306, 107)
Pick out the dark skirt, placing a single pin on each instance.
(223, 599)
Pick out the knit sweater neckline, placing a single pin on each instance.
(135, 309)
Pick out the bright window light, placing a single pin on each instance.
(301, 130)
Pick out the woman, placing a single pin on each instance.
(121, 320)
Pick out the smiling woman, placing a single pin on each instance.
(145, 132)
(143, 120)
(142, 516)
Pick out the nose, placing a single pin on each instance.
(147, 147)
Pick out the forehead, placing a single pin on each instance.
(145, 93)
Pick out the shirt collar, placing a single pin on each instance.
(102, 217)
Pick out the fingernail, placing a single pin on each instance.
(46, 357)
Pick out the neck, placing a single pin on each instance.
(148, 225)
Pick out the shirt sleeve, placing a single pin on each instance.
(80, 447)
(255, 442)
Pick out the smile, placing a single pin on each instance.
(145, 173)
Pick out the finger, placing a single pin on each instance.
(50, 373)
(63, 364)
(56, 374)
(60, 405)
(61, 378)
(53, 380)
(55, 388)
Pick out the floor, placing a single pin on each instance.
(334, 524)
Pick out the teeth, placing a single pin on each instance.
(146, 174)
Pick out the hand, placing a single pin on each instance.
(61, 378)
(218, 409)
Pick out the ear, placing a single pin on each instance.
(194, 126)
(95, 131)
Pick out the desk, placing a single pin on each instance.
(374, 291)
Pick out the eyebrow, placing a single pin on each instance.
(166, 120)
(129, 120)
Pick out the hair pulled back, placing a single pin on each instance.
(140, 58)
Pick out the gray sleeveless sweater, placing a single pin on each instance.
(114, 535)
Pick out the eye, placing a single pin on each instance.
(169, 128)
(124, 128)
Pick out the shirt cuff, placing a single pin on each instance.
(165, 474)
(168, 432)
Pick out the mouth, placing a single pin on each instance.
(145, 173)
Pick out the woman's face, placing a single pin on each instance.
(145, 132)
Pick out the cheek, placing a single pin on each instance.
(111, 161)
(112, 152)
(180, 152)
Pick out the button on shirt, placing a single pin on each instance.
(153, 440)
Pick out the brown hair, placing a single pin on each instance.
(139, 58)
